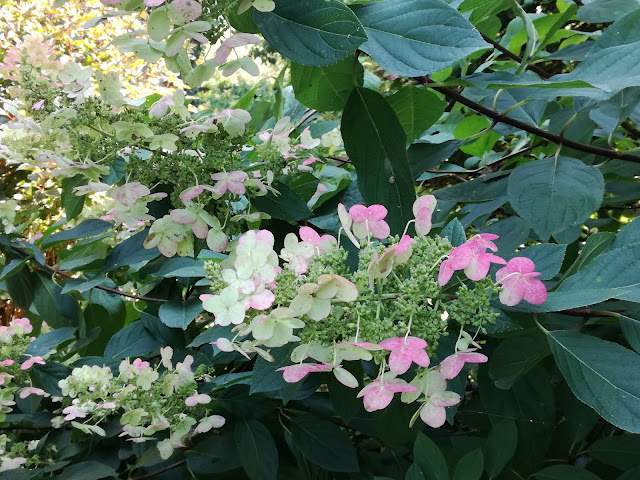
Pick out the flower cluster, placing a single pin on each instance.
(390, 310)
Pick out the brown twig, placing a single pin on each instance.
(60, 273)
(552, 137)
(164, 469)
(517, 58)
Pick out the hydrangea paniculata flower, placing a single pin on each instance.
(423, 209)
(519, 282)
(378, 394)
(404, 352)
(471, 257)
(369, 221)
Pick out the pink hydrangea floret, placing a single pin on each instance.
(378, 394)
(471, 257)
(519, 282)
(369, 220)
(404, 352)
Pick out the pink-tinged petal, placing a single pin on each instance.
(192, 401)
(392, 343)
(262, 300)
(521, 265)
(445, 273)
(420, 357)
(376, 213)
(295, 373)
(358, 213)
(472, 357)
(309, 235)
(400, 360)
(237, 188)
(513, 291)
(29, 362)
(427, 202)
(460, 257)
(32, 391)
(153, 3)
(415, 342)
(444, 399)
(451, 366)
(535, 291)
(6, 363)
(423, 221)
(397, 385)
(501, 273)
(379, 229)
(375, 397)
(403, 245)
(489, 236)
(191, 193)
(204, 296)
(478, 268)
(433, 416)
(217, 241)
(182, 216)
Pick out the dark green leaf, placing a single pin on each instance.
(630, 324)
(429, 458)
(286, 206)
(470, 467)
(454, 231)
(130, 252)
(380, 162)
(259, 455)
(132, 341)
(177, 314)
(563, 472)
(604, 375)
(12, 267)
(88, 228)
(601, 11)
(21, 288)
(57, 309)
(516, 356)
(417, 109)
(595, 245)
(88, 471)
(513, 232)
(427, 156)
(72, 203)
(48, 341)
(48, 375)
(547, 257)
(326, 88)
(414, 473)
(488, 187)
(324, 444)
(314, 32)
(416, 37)
(500, 447)
(553, 195)
(215, 454)
(620, 451)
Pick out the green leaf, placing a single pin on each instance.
(72, 203)
(552, 195)
(430, 459)
(181, 267)
(48, 375)
(12, 267)
(630, 324)
(594, 246)
(470, 466)
(513, 232)
(314, 32)
(620, 451)
(88, 228)
(482, 8)
(200, 74)
(563, 472)
(324, 444)
(57, 309)
(427, 156)
(514, 357)
(21, 288)
(89, 471)
(601, 11)
(266, 377)
(454, 231)
(177, 314)
(134, 340)
(604, 375)
(326, 88)
(381, 162)
(104, 305)
(286, 206)
(130, 252)
(417, 109)
(500, 447)
(488, 187)
(48, 341)
(417, 37)
(414, 473)
(215, 454)
(259, 456)
(159, 25)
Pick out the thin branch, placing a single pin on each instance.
(517, 58)
(552, 137)
(60, 273)
(164, 469)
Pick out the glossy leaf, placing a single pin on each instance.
(417, 109)
(591, 367)
(383, 170)
(416, 37)
(132, 341)
(470, 467)
(177, 314)
(314, 32)
(428, 457)
(259, 456)
(500, 447)
(552, 195)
